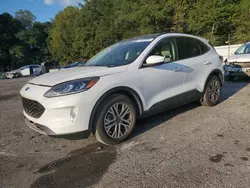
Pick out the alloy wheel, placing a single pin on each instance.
(214, 90)
(117, 120)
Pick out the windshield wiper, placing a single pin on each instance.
(109, 65)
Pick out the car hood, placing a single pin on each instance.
(64, 75)
(239, 58)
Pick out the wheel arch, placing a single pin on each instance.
(127, 91)
(217, 73)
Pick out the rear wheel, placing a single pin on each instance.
(115, 120)
(212, 92)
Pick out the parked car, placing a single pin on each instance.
(75, 64)
(238, 64)
(131, 79)
(27, 70)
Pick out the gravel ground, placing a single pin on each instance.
(190, 146)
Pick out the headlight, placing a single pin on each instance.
(71, 87)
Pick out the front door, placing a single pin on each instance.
(163, 81)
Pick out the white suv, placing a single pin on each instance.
(132, 79)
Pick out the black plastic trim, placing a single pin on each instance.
(215, 72)
(173, 102)
(73, 136)
(120, 89)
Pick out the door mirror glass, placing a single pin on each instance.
(155, 59)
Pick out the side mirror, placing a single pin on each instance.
(155, 59)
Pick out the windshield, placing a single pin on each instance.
(244, 49)
(121, 53)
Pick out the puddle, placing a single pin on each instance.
(216, 158)
(236, 142)
(81, 168)
(244, 158)
(220, 135)
(229, 164)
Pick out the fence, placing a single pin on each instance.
(227, 50)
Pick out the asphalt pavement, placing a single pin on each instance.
(190, 146)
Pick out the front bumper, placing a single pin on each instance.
(56, 119)
(46, 131)
(229, 70)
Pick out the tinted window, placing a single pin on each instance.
(203, 47)
(166, 48)
(187, 47)
(35, 66)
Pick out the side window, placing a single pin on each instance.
(166, 48)
(187, 47)
(203, 47)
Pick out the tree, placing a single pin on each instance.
(16, 53)
(85, 30)
(22, 41)
(9, 26)
(242, 22)
(35, 40)
(64, 35)
(26, 17)
(212, 19)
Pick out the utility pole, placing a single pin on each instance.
(229, 38)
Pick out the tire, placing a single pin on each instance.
(103, 129)
(212, 92)
(17, 75)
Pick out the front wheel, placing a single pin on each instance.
(17, 75)
(212, 92)
(115, 120)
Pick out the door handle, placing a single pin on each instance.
(207, 62)
(177, 69)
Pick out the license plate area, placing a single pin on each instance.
(238, 69)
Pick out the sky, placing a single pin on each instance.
(44, 10)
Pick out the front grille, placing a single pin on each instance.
(32, 108)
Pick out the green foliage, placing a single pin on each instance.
(22, 41)
(26, 17)
(9, 26)
(242, 22)
(212, 19)
(81, 31)
(64, 35)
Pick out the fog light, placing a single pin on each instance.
(73, 114)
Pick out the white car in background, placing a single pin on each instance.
(131, 79)
(238, 64)
(27, 70)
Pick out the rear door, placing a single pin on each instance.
(197, 58)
